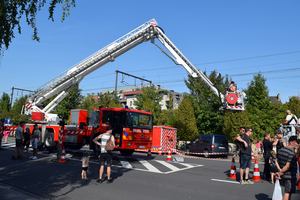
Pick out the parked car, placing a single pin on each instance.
(213, 143)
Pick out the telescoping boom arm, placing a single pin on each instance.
(70, 78)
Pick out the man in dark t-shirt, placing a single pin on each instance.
(288, 163)
(245, 163)
(268, 146)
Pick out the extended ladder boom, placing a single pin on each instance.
(70, 78)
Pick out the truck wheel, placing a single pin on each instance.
(50, 144)
(127, 152)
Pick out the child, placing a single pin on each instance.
(85, 165)
(274, 167)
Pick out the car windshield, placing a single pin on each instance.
(139, 120)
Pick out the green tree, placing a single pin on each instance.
(206, 104)
(150, 100)
(262, 114)
(294, 105)
(167, 117)
(13, 115)
(185, 120)
(13, 11)
(19, 103)
(88, 103)
(5, 102)
(108, 100)
(233, 122)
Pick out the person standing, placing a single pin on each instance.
(258, 147)
(279, 141)
(85, 165)
(6, 134)
(19, 140)
(245, 156)
(35, 140)
(268, 146)
(290, 119)
(288, 163)
(105, 155)
(274, 167)
(27, 137)
(298, 158)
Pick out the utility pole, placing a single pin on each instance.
(12, 94)
(128, 75)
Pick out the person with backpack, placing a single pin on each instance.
(290, 119)
(107, 139)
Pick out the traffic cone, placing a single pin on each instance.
(169, 157)
(149, 153)
(63, 156)
(233, 170)
(256, 173)
(252, 157)
(159, 152)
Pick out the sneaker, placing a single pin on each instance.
(99, 180)
(34, 158)
(30, 157)
(242, 182)
(109, 181)
(249, 182)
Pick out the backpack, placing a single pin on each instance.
(109, 144)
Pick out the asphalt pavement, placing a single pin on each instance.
(135, 177)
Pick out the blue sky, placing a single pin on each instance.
(213, 35)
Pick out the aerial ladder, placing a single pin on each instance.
(66, 81)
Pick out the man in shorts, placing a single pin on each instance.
(245, 162)
(105, 155)
(19, 140)
(288, 163)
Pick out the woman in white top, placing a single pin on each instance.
(105, 155)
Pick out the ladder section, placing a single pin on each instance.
(71, 76)
(182, 60)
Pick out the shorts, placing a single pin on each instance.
(34, 144)
(245, 161)
(18, 142)
(84, 168)
(273, 169)
(258, 150)
(106, 157)
(289, 185)
(26, 145)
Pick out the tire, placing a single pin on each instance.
(50, 144)
(127, 152)
(206, 153)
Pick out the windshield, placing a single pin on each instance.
(139, 120)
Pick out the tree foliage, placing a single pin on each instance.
(263, 115)
(5, 102)
(19, 103)
(108, 100)
(13, 11)
(294, 105)
(167, 117)
(185, 121)
(150, 100)
(206, 104)
(88, 103)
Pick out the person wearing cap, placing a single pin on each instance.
(290, 119)
(288, 163)
(106, 156)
